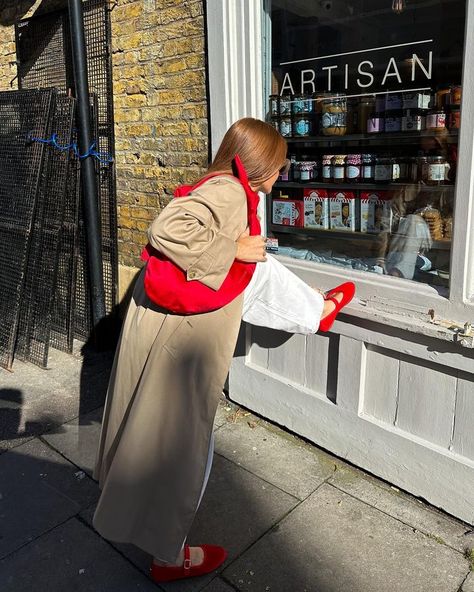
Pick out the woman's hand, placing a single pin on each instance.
(251, 249)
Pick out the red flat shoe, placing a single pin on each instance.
(348, 291)
(213, 557)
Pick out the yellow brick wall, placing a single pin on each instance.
(160, 103)
(160, 109)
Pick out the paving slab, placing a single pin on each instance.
(71, 557)
(218, 585)
(78, 439)
(34, 400)
(39, 489)
(236, 510)
(333, 542)
(225, 412)
(274, 455)
(468, 585)
(402, 506)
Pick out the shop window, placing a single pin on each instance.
(368, 96)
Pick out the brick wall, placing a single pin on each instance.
(160, 106)
(160, 109)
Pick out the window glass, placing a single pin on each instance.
(368, 96)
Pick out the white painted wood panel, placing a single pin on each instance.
(317, 363)
(379, 398)
(289, 358)
(426, 401)
(258, 339)
(350, 374)
(463, 437)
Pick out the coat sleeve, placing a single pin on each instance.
(199, 232)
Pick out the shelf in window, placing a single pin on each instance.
(360, 186)
(442, 245)
(373, 139)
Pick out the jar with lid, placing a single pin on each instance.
(353, 168)
(302, 125)
(412, 169)
(413, 120)
(368, 168)
(296, 169)
(455, 94)
(285, 105)
(376, 123)
(275, 122)
(353, 116)
(404, 164)
(338, 168)
(326, 169)
(306, 171)
(274, 105)
(285, 126)
(454, 120)
(387, 169)
(393, 121)
(434, 170)
(436, 120)
(301, 104)
(442, 97)
(421, 164)
(334, 115)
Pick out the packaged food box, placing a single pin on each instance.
(343, 211)
(287, 212)
(316, 208)
(375, 211)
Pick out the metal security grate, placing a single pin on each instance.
(21, 165)
(44, 56)
(35, 319)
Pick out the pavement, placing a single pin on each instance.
(293, 517)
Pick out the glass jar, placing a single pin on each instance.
(376, 123)
(338, 168)
(302, 125)
(326, 169)
(285, 105)
(334, 115)
(434, 170)
(412, 169)
(413, 120)
(416, 100)
(274, 105)
(393, 102)
(353, 168)
(442, 98)
(436, 120)
(296, 169)
(455, 95)
(353, 116)
(285, 126)
(275, 122)
(404, 164)
(368, 168)
(306, 171)
(301, 104)
(421, 163)
(393, 121)
(387, 170)
(454, 120)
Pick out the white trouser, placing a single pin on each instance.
(279, 299)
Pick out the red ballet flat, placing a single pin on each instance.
(213, 557)
(348, 291)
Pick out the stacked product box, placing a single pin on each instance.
(316, 208)
(343, 211)
(288, 212)
(375, 211)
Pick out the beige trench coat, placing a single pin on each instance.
(168, 373)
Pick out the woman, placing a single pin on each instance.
(156, 443)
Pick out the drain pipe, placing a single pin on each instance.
(88, 173)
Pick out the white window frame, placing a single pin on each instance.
(238, 33)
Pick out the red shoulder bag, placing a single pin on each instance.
(166, 284)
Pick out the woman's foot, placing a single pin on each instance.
(329, 305)
(196, 556)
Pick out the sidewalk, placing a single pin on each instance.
(292, 517)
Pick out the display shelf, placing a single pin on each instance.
(380, 139)
(444, 245)
(360, 186)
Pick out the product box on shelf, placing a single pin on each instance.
(316, 208)
(287, 212)
(375, 211)
(343, 210)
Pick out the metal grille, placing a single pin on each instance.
(40, 283)
(21, 162)
(44, 56)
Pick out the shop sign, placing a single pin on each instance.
(373, 71)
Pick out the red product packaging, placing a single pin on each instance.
(343, 210)
(288, 212)
(375, 211)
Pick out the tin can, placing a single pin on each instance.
(285, 105)
(302, 125)
(285, 126)
(274, 105)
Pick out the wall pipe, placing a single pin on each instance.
(88, 173)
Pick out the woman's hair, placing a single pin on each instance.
(260, 147)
